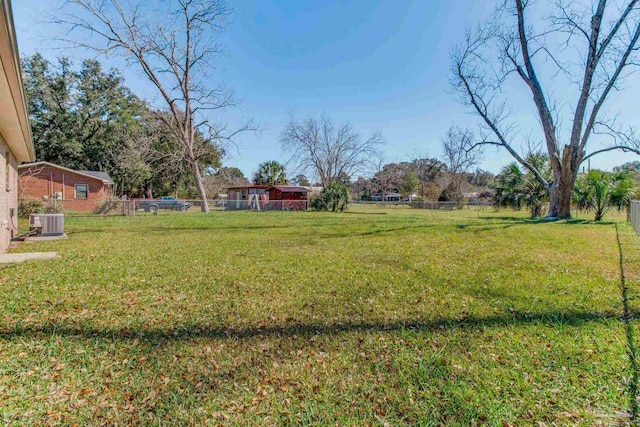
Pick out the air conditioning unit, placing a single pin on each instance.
(47, 224)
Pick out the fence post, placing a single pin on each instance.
(633, 215)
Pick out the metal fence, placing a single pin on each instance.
(633, 215)
(78, 207)
(132, 207)
(263, 205)
(413, 205)
(363, 206)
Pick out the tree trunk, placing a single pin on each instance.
(560, 200)
(562, 187)
(565, 198)
(197, 177)
(148, 191)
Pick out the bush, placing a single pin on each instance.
(53, 207)
(105, 205)
(28, 207)
(333, 198)
(445, 196)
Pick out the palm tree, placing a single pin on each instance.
(535, 195)
(270, 173)
(622, 191)
(507, 185)
(599, 184)
(515, 188)
(603, 191)
(582, 196)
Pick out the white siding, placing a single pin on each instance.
(8, 196)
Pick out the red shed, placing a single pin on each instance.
(267, 197)
(286, 192)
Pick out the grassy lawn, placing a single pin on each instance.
(297, 318)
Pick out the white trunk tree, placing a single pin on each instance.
(591, 45)
(174, 44)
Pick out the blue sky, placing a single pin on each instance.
(376, 64)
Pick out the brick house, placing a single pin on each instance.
(15, 135)
(77, 190)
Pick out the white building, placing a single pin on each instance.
(15, 134)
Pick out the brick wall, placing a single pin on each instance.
(38, 182)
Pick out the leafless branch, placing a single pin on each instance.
(606, 37)
(175, 48)
(326, 149)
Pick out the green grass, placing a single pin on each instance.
(298, 318)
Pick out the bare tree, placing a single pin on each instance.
(175, 48)
(328, 150)
(131, 160)
(222, 178)
(28, 177)
(382, 178)
(459, 158)
(428, 169)
(590, 45)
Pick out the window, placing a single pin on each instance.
(82, 191)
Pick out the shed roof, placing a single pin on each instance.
(261, 186)
(290, 189)
(283, 188)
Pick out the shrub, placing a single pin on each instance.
(105, 205)
(432, 192)
(53, 207)
(602, 191)
(28, 207)
(334, 198)
(445, 196)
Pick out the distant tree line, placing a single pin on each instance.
(86, 118)
(424, 179)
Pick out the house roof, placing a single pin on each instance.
(102, 176)
(14, 120)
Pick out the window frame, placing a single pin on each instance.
(75, 191)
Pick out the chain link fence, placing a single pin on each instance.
(449, 206)
(132, 207)
(367, 206)
(77, 207)
(633, 215)
(263, 205)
